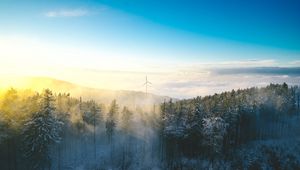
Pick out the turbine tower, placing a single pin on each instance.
(146, 84)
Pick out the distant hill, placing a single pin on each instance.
(124, 97)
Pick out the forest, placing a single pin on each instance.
(253, 128)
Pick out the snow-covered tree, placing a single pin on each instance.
(231, 117)
(111, 120)
(4, 129)
(93, 117)
(41, 130)
(169, 119)
(214, 130)
(110, 125)
(195, 116)
(92, 114)
(126, 127)
(126, 120)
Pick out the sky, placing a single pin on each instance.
(187, 48)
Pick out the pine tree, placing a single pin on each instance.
(170, 116)
(231, 118)
(196, 115)
(126, 126)
(93, 117)
(193, 127)
(126, 120)
(41, 130)
(161, 129)
(111, 120)
(298, 99)
(4, 129)
(214, 130)
(111, 123)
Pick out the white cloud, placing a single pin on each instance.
(295, 63)
(68, 13)
(250, 63)
(112, 69)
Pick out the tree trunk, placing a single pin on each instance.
(298, 104)
(59, 157)
(94, 139)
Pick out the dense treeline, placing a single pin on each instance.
(213, 126)
(57, 131)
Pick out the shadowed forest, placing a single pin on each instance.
(254, 128)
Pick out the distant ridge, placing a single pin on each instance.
(124, 97)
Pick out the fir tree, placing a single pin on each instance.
(41, 130)
(111, 120)
(93, 117)
(214, 130)
(111, 125)
(126, 126)
(126, 120)
(4, 129)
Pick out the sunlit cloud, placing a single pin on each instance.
(250, 63)
(289, 71)
(111, 69)
(295, 63)
(68, 13)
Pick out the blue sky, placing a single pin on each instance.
(185, 27)
(147, 36)
(270, 23)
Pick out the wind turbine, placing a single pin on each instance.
(146, 84)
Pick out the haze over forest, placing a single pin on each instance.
(149, 85)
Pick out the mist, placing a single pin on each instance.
(213, 131)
